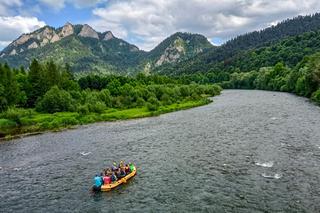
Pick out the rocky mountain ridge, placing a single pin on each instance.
(87, 50)
(47, 34)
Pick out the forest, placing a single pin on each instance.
(47, 96)
(302, 79)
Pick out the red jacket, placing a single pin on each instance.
(106, 180)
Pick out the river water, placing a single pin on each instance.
(249, 151)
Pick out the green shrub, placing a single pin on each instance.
(165, 99)
(117, 102)
(215, 90)
(83, 109)
(55, 100)
(97, 107)
(316, 96)
(68, 121)
(6, 123)
(45, 125)
(301, 86)
(87, 119)
(195, 96)
(153, 104)
(140, 102)
(15, 114)
(105, 96)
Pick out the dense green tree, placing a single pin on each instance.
(38, 85)
(105, 97)
(55, 100)
(52, 74)
(10, 89)
(153, 104)
(114, 87)
(3, 100)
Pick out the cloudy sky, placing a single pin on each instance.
(146, 22)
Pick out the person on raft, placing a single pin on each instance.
(112, 174)
(98, 181)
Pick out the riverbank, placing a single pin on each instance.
(30, 122)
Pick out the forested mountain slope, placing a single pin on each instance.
(223, 57)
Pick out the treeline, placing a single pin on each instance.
(302, 79)
(50, 88)
(24, 89)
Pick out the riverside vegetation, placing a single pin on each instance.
(302, 79)
(48, 97)
(285, 57)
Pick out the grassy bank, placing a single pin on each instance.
(24, 122)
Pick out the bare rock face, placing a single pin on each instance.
(173, 53)
(87, 31)
(13, 52)
(55, 38)
(66, 30)
(198, 50)
(33, 45)
(134, 49)
(44, 36)
(108, 36)
(46, 33)
(44, 42)
(23, 39)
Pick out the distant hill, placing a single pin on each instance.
(246, 47)
(178, 47)
(87, 50)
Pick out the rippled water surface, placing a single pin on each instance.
(249, 151)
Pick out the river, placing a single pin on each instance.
(248, 151)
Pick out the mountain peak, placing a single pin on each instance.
(179, 46)
(67, 30)
(67, 24)
(88, 31)
(107, 36)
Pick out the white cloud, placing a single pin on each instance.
(13, 26)
(6, 6)
(3, 44)
(84, 3)
(60, 4)
(55, 4)
(150, 21)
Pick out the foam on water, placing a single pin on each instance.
(85, 153)
(265, 164)
(275, 176)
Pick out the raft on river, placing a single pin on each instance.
(109, 187)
